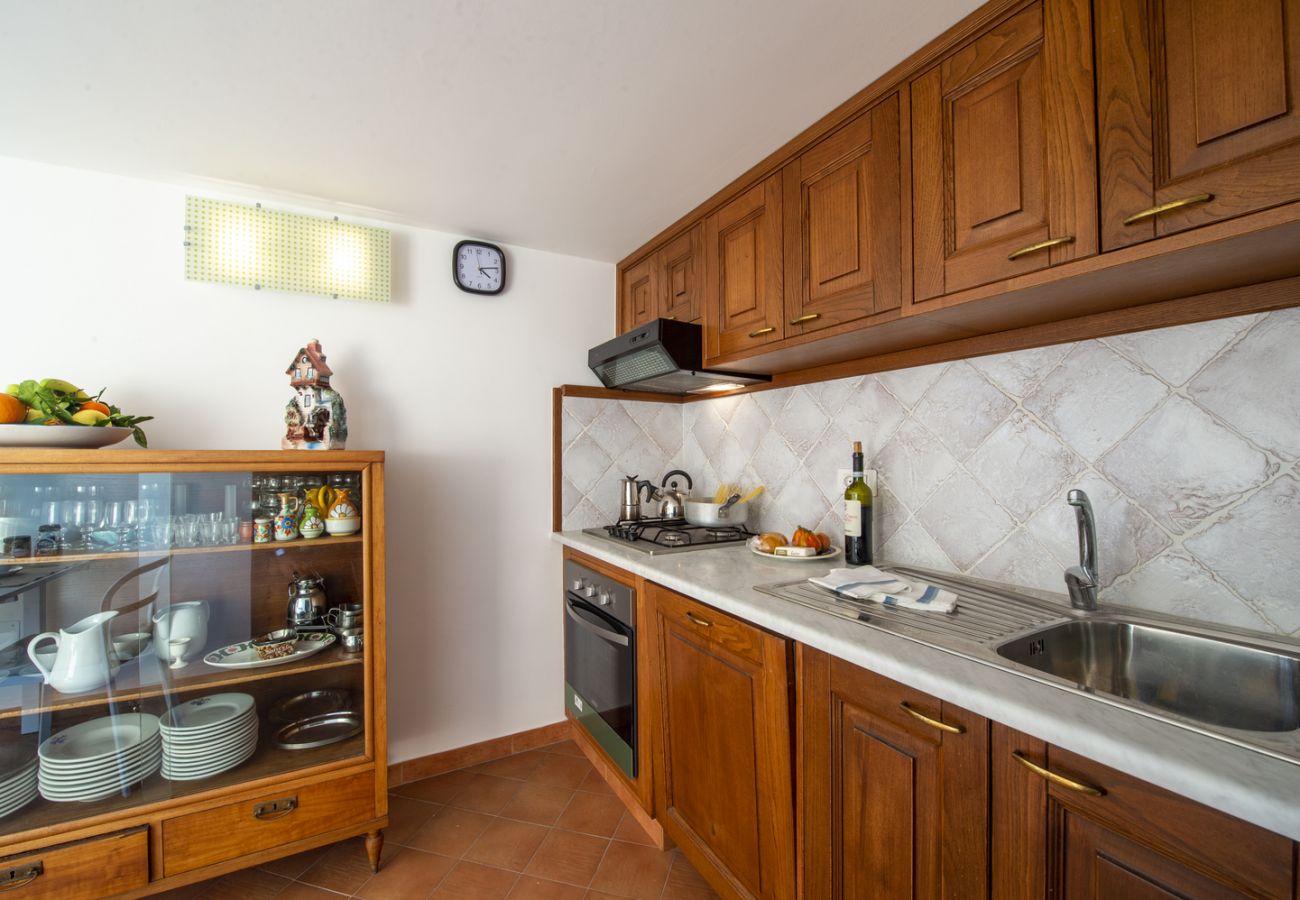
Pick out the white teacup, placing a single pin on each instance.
(129, 646)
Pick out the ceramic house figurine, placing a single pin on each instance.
(315, 418)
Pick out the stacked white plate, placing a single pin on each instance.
(99, 758)
(17, 777)
(208, 735)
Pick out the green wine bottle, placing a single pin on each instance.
(857, 515)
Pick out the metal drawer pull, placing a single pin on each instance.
(698, 621)
(275, 809)
(807, 318)
(762, 331)
(933, 723)
(1067, 783)
(670, 317)
(1041, 245)
(1153, 211)
(13, 879)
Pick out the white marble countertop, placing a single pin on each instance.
(1252, 785)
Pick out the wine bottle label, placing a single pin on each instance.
(853, 518)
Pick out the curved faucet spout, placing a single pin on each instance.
(1081, 580)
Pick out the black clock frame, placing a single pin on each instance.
(455, 274)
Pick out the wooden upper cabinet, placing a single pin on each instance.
(680, 272)
(743, 271)
(1003, 154)
(843, 260)
(1199, 109)
(638, 295)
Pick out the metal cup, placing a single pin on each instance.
(346, 616)
(351, 639)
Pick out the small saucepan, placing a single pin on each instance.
(702, 511)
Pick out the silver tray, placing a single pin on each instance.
(301, 707)
(319, 731)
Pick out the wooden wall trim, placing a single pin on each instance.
(472, 754)
(603, 393)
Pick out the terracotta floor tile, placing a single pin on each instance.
(521, 765)
(568, 857)
(601, 895)
(188, 892)
(630, 870)
(474, 882)
(685, 883)
(592, 814)
(344, 866)
(538, 803)
(450, 832)
(568, 748)
(530, 888)
(405, 816)
(507, 844)
(595, 783)
(630, 830)
(561, 771)
(246, 884)
(299, 891)
(438, 789)
(293, 866)
(486, 794)
(410, 876)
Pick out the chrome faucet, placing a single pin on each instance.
(1081, 580)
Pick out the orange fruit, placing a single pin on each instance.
(97, 406)
(12, 410)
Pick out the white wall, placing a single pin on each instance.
(456, 388)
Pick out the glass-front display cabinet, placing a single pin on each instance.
(191, 663)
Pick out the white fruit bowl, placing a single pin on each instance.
(350, 525)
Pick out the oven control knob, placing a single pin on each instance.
(589, 591)
(605, 599)
(579, 583)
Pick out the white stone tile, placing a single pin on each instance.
(1021, 560)
(570, 496)
(1020, 372)
(644, 459)
(584, 463)
(1182, 466)
(1177, 584)
(909, 385)
(1255, 549)
(709, 427)
(726, 407)
(832, 453)
(1176, 354)
(912, 545)
(1126, 536)
(802, 422)
(773, 461)
(962, 408)
(771, 402)
(1094, 399)
(614, 429)
(964, 520)
(1022, 465)
(889, 512)
(584, 409)
(585, 515)
(914, 462)
(832, 395)
(800, 501)
(664, 425)
(749, 425)
(1255, 385)
(570, 428)
(871, 415)
(729, 460)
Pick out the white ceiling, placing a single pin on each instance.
(578, 126)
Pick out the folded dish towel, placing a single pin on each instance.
(869, 583)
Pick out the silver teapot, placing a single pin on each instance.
(307, 601)
(672, 500)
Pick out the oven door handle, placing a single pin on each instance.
(612, 636)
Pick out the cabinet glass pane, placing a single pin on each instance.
(127, 603)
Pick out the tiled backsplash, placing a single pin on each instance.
(1187, 440)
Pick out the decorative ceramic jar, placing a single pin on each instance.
(343, 516)
(311, 525)
(285, 524)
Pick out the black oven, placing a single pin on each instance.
(600, 660)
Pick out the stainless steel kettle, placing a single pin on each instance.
(629, 509)
(672, 500)
(307, 602)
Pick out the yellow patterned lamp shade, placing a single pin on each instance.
(231, 243)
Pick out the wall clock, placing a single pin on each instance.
(478, 267)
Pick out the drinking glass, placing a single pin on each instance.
(120, 517)
(210, 531)
(163, 532)
(187, 530)
(78, 523)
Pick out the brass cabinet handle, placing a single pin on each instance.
(1153, 211)
(933, 723)
(1067, 783)
(698, 621)
(762, 331)
(670, 317)
(13, 879)
(1041, 245)
(275, 809)
(807, 318)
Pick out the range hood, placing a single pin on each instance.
(664, 356)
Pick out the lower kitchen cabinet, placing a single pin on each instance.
(1067, 827)
(894, 787)
(722, 745)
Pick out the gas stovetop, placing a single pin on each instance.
(656, 536)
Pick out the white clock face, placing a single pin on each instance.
(480, 268)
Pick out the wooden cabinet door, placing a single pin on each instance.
(1003, 154)
(843, 259)
(1198, 103)
(680, 272)
(723, 786)
(895, 788)
(743, 271)
(1102, 833)
(638, 300)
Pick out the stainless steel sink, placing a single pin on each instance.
(1218, 682)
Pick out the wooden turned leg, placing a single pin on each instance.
(374, 847)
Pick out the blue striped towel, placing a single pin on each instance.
(870, 583)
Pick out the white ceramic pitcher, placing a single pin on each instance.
(181, 620)
(82, 660)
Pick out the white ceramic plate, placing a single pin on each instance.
(100, 771)
(100, 739)
(207, 751)
(243, 656)
(80, 768)
(84, 437)
(189, 744)
(18, 803)
(204, 713)
(190, 773)
(829, 554)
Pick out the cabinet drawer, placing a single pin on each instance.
(711, 624)
(93, 868)
(215, 835)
